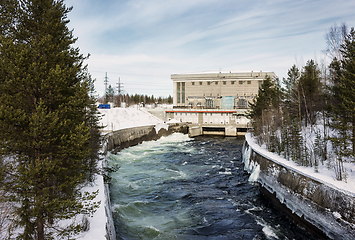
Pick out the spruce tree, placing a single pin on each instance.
(263, 109)
(110, 92)
(292, 94)
(310, 89)
(48, 125)
(342, 107)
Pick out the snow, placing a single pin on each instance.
(119, 118)
(161, 126)
(324, 175)
(336, 215)
(98, 221)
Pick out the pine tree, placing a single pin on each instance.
(48, 125)
(170, 100)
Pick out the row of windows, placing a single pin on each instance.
(223, 82)
(182, 92)
(222, 114)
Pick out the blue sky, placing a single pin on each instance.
(143, 42)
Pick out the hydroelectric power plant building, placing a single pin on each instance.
(215, 103)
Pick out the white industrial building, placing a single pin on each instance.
(217, 90)
(215, 98)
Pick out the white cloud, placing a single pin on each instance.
(143, 42)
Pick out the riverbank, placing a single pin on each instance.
(317, 200)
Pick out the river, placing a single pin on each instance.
(183, 188)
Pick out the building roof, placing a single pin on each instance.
(221, 76)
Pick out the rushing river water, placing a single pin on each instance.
(183, 188)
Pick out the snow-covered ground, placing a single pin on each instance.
(98, 221)
(120, 118)
(324, 175)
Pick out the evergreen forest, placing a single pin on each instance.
(117, 99)
(49, 134)
(309, 117)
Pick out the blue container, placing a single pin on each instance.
(104, 106)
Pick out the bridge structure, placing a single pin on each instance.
(228, 130)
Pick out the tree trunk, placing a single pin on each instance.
(40, 229)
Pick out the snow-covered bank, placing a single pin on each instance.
(314, 198)
(324, 175)
(98, 222)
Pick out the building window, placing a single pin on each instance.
(193, 83)
(200, 83)
(243, 103)
(240, 82)
(260, 83)
(224, 82)
(249, 82)
(183, 93)
(208, 83)
(216, 82)
(232, 82)
(178, 92)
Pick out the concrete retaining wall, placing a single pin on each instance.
(132, 136)
(324, 210)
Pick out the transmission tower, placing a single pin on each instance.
(119, 86)
(106, 82)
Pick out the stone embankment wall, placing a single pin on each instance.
(322, 209)
(123, 138)
(132, 136)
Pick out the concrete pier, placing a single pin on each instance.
(232, 130)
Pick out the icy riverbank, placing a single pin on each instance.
(314, 197)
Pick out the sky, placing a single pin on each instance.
(142, 42)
